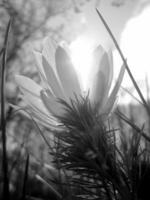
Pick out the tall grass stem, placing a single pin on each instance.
(3, 119)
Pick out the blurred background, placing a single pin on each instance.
(77, 23)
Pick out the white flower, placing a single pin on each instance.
(59, 80)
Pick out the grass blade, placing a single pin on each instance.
(25, 178)
(58, 195)
(3, 120)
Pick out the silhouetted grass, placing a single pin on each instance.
(3, 120)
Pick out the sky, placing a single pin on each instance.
(116, 18)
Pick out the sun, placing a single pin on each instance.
(81, 56)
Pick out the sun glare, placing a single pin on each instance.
(81, 55)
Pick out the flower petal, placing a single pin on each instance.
(26, 84)
(36, 103)
(105, 67)
(38, 59)
(49, 49)
(49, 121)
(53, 80)
(31, 93)
(112, 98)
(97, 90)
(52, 104)
(97, 56)
(29, 111)
(67, 73)
(110, 57)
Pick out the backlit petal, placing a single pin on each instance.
(28, 85)
(31, 93)
(110, 57)
(48, 121)
(35, 102)
(97, 91)
(107, 68)
(97, 56)
(51, 103)
(49, 48)
(112, 97)
(99, 81)
(42, 119)
(52, 80)
(104, 66)
(29, 111)
(38, 59)
(67, 73)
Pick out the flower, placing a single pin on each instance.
(60, 81)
